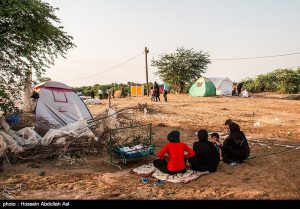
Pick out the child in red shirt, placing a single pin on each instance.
(175, 161)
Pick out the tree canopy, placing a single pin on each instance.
(182, 67)
(280, 80)
(30, 36)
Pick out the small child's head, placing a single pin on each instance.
(174, 136)
(215, 136)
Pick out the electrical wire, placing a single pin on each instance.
(104, 71)
(247, 58)
(259, 57)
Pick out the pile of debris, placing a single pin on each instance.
(73, 140)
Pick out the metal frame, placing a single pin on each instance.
(148, 141)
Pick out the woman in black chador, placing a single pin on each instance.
(235, 148)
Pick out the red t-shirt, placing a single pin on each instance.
(176, 155)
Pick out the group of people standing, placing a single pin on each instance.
(155, 92)
(205, 154)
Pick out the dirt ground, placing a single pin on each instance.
(266, 176)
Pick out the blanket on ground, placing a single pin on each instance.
(151, 171)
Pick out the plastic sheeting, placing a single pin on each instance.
(11, 144)
(3, 124)
(3, 146)
(26, 138)
(78, 129)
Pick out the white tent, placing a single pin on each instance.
(223, 85)
(59, 104)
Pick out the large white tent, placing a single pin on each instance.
(59, 104)
(223, 85)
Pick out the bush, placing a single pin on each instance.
(281, 80)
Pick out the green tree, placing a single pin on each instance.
(43, 79)
(30, 35)
(280, 80)
(182, 67)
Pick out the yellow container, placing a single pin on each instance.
(137, 90)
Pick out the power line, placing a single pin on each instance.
(109, 69)
(259, 57)
(248, 58)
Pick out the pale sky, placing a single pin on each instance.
(110, 32)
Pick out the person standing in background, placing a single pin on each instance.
(92, 94)
(166, 90)
(100, 92)
(156, 91)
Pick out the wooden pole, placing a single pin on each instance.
(146, 62)
(109, 102)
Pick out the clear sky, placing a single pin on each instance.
(109, 32)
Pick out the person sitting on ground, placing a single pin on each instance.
(239, 88)
(207, 157)
(215, 138)
(235, 148)
(234, 92)
(226, 124)
(175, 162)
(245, 93)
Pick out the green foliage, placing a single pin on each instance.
(182, 67)
(30, 35)
(280, 80)
(86, 90)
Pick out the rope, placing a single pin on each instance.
(273, 153)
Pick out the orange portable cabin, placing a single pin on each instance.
(137, 90)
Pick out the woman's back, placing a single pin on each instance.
(207, 157)
(176, 155)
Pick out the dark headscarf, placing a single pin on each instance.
(236, 135)
(234, 127)
(174, 136)
(202, 135)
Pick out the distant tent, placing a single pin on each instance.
(59, 105)
(203, 87)
(223, 85)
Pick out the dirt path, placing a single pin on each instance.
(263, 177)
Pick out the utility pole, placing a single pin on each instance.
(146, 61)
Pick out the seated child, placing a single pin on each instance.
(215, 138)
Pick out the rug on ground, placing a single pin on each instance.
(150, 171)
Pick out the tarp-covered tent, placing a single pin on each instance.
(59, 105)
(223, 85)
(203, 87)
